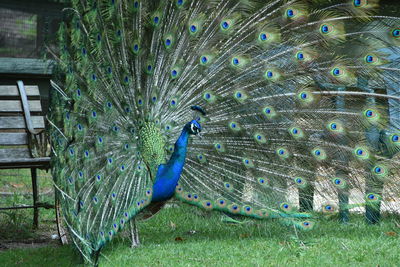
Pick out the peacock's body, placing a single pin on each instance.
(293, 98)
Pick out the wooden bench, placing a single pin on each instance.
(23, 142)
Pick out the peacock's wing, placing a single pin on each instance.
(101, 180)
(296, 102)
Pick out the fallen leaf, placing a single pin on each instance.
(178, 239)
(391, 233)
(17, 185)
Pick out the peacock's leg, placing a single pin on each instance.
(134, 233)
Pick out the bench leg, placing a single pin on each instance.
(35, 198)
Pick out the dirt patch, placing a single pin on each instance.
(33, 243)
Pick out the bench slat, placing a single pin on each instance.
(14, 153)
(18, 122)
(13, 139)
(12, 90)
(24, 163)
(16, 106)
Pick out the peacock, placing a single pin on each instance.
(284, 109)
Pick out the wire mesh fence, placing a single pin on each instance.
(26, 26)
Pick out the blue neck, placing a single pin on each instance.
(168, 175)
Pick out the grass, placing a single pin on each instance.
(168, 240)
(187, 236)
(16, 190)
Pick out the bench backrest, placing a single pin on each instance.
(13, 127)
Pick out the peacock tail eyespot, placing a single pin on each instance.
(300, 182)
(234, 208)
(207, 204)
(396, 33)
(325, 29)
(291, 13)
(300, 56)
(395, 138)
(372, 198)
(286, 207)
(248, 209)
(225, 25)
(337, 72)
(221, 203)
(262, 181)
(263, 36)
(228, 186)
(371, 115)
(370, 59)
(379, 170)
(360, 3)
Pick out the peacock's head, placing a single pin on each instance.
(194, 127)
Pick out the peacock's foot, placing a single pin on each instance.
(135, 243)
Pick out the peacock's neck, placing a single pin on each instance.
(168, 175)
(180, 147)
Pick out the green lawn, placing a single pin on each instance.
(166, 240)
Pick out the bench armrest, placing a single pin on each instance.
(25, 106)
